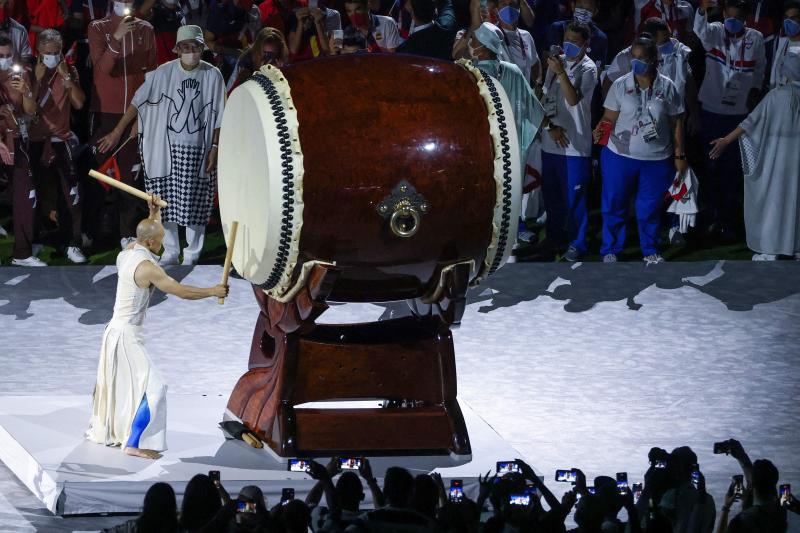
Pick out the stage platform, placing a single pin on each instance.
(41, 441)
(575, 365)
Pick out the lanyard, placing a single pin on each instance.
(730, 63)
(644, 98)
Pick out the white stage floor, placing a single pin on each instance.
(41, 441)
(584, 365)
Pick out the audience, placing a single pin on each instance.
(70, 70)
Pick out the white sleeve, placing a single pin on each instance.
(391, 37)
(587, 82)
(613, 98)
(619, 66)
(532, 47)
(675, 101)
(142, 94)
(707, 33)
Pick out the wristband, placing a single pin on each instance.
(215, 145)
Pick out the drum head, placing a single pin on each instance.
(251, 184)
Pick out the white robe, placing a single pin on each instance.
(770, 151)
(178, 113)
(125, 373)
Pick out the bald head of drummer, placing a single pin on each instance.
(150, 232)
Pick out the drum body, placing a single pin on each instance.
(390, 167)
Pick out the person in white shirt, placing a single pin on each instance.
(567, 144)
(787, 45)
(735, 67)
(645, 114)
(381, 32)
(677, 14)
(519, 42)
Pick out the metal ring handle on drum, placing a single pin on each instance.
(400, 223)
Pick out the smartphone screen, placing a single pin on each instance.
(214, 475)
(696, 477)
(566, 476)
(637, 490)
(287, 495)
(785, 490)
(456, 490)
(660, 463)
(519, 499)
(507, 467)
(591, 490)
(622, 482)
(349, 463)
(738, 488)
(299, 465)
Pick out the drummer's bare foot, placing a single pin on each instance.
(137, 452)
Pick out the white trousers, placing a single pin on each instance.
(195, 235)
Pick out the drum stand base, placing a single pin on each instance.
(409, 362)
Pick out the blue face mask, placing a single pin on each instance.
(571, 50)
(791, 27)
(509, 15)
(733, 25)
(667, 48)
(639, 67)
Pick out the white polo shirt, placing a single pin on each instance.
(675, 65)
(385, 32)
(661, 102)
(576, 120)
(522, 50)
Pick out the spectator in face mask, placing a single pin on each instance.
(58, 92)
(269, 48)
(771, 162)
(676, 14)
(17, 101)
(179, 109)
(645, 114)
(788, 44)
(584, 11)
(519, 42)
(735, 67)
(380, 32)
(166, 16)
(567, 144)
(16, 33)
(122, 49)
(309, 30)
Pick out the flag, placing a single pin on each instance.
(110, 168)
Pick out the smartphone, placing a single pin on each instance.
(637, 490)
(523, 500)
(721, 447)
(785, 492)
(556, 50)
(349, 463)
(299, 465)
(566, 476)
(622, 482)
(591, 490)
(738, 488)
(695, 475)
(456, 490)
(660, 463)
(507, 467)
(245, 507)
(214, 475)
(287, 495)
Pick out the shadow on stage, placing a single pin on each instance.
(91, 288)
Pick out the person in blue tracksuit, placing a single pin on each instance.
(644, 150)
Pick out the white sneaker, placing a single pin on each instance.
(125, 241)
(764, 257)
(168, 260)
(75, 255)
(3, 232)
(86, 241)
(36, 249)
(653, 259)
(610, 258)
(29, 262)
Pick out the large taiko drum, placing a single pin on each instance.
(391, 167)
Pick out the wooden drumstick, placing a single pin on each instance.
(124, 187)
(228, 257)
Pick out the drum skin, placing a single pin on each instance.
(368, 122)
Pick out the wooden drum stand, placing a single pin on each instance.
(409, 361)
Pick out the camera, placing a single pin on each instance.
(522, 500)
(566, 476)
(507, 467)
(349, 463)
(299, 465)
(722, 447)
(456, 490)
(622, 482)
(287, 495)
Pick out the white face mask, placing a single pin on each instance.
(191, 59)
(121, 7)
(51, 60)
(6, 62)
